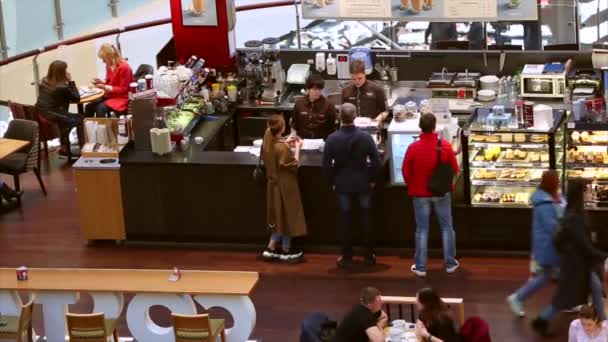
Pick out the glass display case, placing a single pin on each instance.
(504, 162)
(587, 158)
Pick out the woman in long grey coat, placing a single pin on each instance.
(579, 258)
(285, 214)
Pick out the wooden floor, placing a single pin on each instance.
(44, 233)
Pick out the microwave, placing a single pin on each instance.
(543, 85)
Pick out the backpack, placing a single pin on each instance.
(440, 182)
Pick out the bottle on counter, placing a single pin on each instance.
(205, 93)
(123, 137)
(331, 65)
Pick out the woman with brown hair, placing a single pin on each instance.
(547, 206)
(285, 214)
(55, 93)
(116, 85)
(588, 327)
(434, 323)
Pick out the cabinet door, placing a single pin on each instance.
(100, 202)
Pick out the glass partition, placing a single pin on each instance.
(80, 16)
(28, 24)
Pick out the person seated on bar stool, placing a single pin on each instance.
(9, 198)
(55, 93)
(118, 78)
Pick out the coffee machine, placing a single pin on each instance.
(584, 84)
(273, 75)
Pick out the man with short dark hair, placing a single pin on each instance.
(366, 321)
(314, 117)
(418, 165)
(368, 97)
(345, 164)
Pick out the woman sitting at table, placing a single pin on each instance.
(434, 321)
(55, 93)
(116, 85)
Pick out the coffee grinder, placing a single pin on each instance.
(273, 75)
(251, 70)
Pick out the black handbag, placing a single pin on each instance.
(259, 173)
(440, 182)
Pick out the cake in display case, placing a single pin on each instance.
(504, 162)
(587, 159)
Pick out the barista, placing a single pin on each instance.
(367, 96)
(314, 117)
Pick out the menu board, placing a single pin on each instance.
(422, 10)
(399, 143)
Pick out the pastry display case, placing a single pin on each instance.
(503, 162)
(587, 159)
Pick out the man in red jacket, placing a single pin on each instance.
(418, 166)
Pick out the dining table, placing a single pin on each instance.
(87, 99)
(10, 146)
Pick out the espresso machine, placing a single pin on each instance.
(273, 75)
(251, 71)
(584, 84)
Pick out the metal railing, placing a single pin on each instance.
(117, 32)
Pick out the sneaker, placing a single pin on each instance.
(293, 254)
(453, 268)
(370, 260)
(344, 262)
(270, 254)
(416, 272)
(516, 306)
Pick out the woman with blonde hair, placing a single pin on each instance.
(116, 85)
(285, 214)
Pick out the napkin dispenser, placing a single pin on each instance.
(160, 139)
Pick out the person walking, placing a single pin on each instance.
(419, 164)
(547, 211)
(285, 214)
(345, 164)
(578, 257)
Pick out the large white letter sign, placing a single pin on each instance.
(54, 307)
(240, 307)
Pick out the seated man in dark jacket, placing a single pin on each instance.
(55, 93)
(345, 164)
(366, 321)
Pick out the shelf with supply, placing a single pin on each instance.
(504, 163)
(587, 160)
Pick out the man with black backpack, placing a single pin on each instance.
(428, 170)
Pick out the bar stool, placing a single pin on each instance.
(197, 328)
(91, 328)
(16, 327)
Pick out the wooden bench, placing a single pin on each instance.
(456, 304)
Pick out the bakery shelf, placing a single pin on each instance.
(509, 145)
(499, 205)
(521, 183)
(586, 166)
(509, 165)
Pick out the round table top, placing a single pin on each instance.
(92, 98)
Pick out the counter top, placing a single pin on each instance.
(130, 280)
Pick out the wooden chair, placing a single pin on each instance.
(456, 304)
(197, 328)
(91, 328)
(17, 327)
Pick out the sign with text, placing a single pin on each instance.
(422, 10)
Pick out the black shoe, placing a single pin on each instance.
(370, 260)
(270, 254)
(344, 262)
(291, 255)
(541, 326)
(9, 193)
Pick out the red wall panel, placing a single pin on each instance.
(208, 42)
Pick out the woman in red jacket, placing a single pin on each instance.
(118, 78)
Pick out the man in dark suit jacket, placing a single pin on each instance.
(345, 164)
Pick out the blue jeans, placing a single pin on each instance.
(284, 239)
(443, 210)
(535, 283)
(344, 221)
(597, 295)
(97, 109)
(597, 299)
